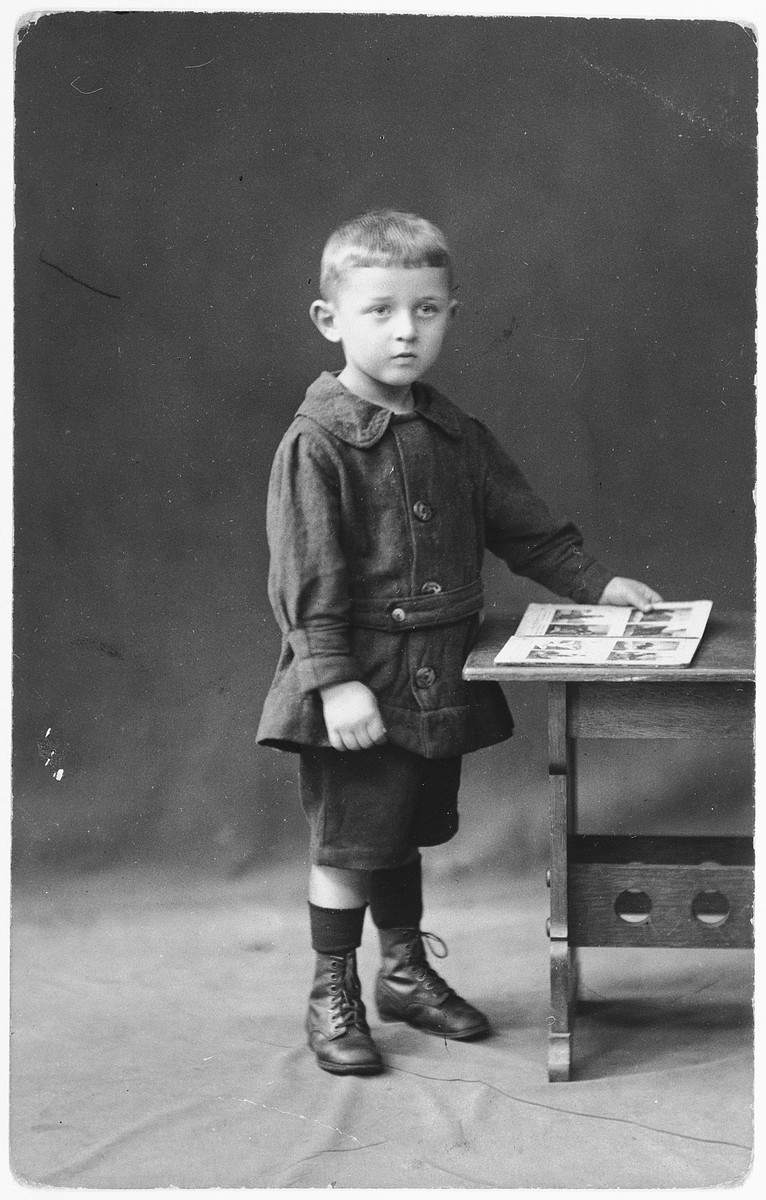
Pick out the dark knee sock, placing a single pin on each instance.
(336, 930)
(396, 896)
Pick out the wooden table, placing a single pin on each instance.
(635, 891)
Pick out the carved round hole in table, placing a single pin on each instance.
(633, 906)
(711, 908)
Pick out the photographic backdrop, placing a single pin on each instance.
(176, 177)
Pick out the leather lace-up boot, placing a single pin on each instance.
(337, 1022)
(408, 989)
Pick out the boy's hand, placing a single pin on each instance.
(629, 591)
(352, 716)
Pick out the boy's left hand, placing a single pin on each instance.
(629, 591)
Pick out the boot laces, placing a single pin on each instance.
(346, 1004)
(426, 974)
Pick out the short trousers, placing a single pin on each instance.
(370, 809)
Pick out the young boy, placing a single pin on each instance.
(383, 497)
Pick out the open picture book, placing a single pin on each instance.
(602, 635)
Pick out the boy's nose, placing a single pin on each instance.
(405, 328)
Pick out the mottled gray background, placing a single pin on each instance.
(176, 176)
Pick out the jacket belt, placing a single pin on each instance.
(394, 614)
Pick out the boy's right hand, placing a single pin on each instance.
(352, 716)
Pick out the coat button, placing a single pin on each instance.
(425, 677)
(422, 511)
(397, 614)
(431, 588)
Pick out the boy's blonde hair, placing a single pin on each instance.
(382, 238)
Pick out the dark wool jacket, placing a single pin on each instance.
(377, 525)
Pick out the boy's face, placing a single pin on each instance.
(391, 322)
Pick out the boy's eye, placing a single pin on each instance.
(428, 309)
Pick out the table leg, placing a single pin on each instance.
(563, 962)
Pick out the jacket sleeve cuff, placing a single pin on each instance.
(588, 581)
(320, 672)
(323, 657)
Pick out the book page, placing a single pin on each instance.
(674, 619)
(670, 620)
(627, 652)
(555, 650)
(595, 634)
(657, 652)
(573, 620)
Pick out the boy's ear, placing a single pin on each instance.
(323, 315)
(454, 305)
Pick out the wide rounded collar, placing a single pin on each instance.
(362, 424)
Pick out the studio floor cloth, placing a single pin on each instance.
(158, 1042)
